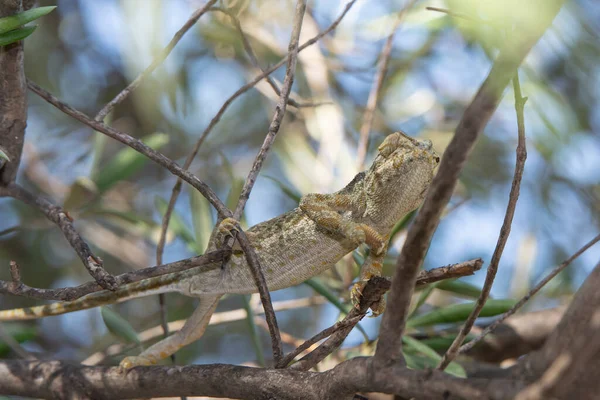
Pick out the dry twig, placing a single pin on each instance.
(474, 119)
(504, 230)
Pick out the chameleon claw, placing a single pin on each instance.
(228, 226)
(356, 293)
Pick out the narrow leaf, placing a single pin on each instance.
(16, 35)
(319, 287)
(119, 326)
(432, 357)
(459, 288)
(127, 162)
(202, 218)
(15, 21)
(258, 349)
(178, 227)
(458, 313)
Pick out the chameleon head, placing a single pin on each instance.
(398, 180)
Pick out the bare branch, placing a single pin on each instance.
(515, 189)
(55, 379)
(472, 123)
(177, 188)
(155, 63)
(530, 294)
(200, 264)
(369, 113)
(59, 216)
(137, 145)
(567, 366)
(251, 256)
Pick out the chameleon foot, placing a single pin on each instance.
(356, 295)
(133, 361)
(228, 226)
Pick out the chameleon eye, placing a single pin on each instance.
(437, 159)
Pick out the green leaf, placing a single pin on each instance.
(319, 287)
(287, 190)
(16, 35)
(202, 218)
(258, 349)
(402, 224)
(431, 357)
(423, 297)
(119, 326)
(237, 184)
(178, 227)
(15, 21)
(442, 343)
(458, 313)
(460, 288)
(127, 162)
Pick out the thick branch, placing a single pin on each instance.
(57, 380)
(531, 293)
(567, 365)
(521, 156)
(472, 123)
(13, 100)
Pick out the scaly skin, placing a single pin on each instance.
(292, 247)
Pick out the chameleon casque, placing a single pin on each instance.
(292, 247)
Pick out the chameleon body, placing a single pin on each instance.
(292, 247)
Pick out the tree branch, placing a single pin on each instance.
(58, 380)
(472, 123)
(467, 346)
(203, 263)
(155, 63)
(513, 197)
(138, 146)
(13, 100)
(57, 215)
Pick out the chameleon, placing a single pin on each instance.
(291, 248)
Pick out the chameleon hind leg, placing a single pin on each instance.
(372, 266)
(325, 209)
(192, 330)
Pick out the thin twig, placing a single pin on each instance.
(521, 156)
(475, 117)
(213, 122)
(138, 146)
(250, 255)
(467, 346)
(59, 216)
(371, 294)
(317, 338)
(200, 264)
(155, 63)
(251, 54)
(369, 113)
(375, 288)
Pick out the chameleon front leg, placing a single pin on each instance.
(325, 210)
(192, 330)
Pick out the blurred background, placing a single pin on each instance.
(85, 52)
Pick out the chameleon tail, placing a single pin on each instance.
(101, 298)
